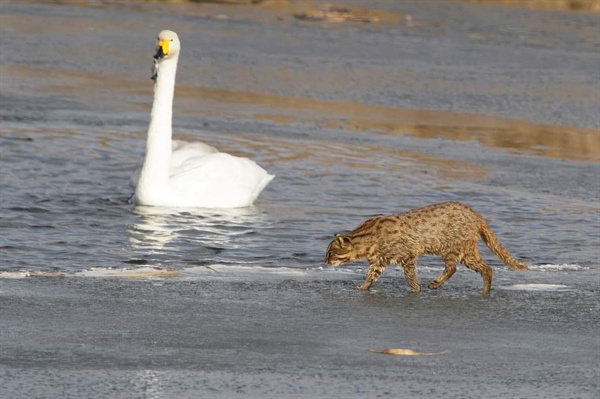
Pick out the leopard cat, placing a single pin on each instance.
(449, 229)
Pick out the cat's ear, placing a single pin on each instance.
(341, 240)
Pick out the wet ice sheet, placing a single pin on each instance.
(276, 337)
(535, 278)
(537, 287)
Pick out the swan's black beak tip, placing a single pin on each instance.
(159, 53)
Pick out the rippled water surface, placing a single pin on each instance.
(65, 202)
(353, 121)
(73, 127)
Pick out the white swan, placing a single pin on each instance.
(180, 174)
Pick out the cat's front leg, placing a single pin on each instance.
(375, 270)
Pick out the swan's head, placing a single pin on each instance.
(168, 45)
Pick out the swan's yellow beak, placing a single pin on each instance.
(162, 48)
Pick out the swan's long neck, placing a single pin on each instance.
(155, 171)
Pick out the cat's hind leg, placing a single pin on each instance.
(449, 270)
(410, 274)
(474, 261)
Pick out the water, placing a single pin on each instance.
(65, 204)
(351, 129)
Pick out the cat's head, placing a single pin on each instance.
(339, 251)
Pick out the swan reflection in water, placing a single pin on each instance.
(194, 233)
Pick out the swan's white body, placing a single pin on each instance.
(180, 174)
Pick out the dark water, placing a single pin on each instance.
(253, 310)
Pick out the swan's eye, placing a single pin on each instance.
(171, 39)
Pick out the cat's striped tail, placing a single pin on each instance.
(498, 249)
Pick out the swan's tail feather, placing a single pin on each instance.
(262, 185)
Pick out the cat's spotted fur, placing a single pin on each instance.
(449, 229)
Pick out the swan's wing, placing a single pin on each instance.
(221, 180)
(181, 152)
(198, 147)
(184, 152)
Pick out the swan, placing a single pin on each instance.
(180, 174)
